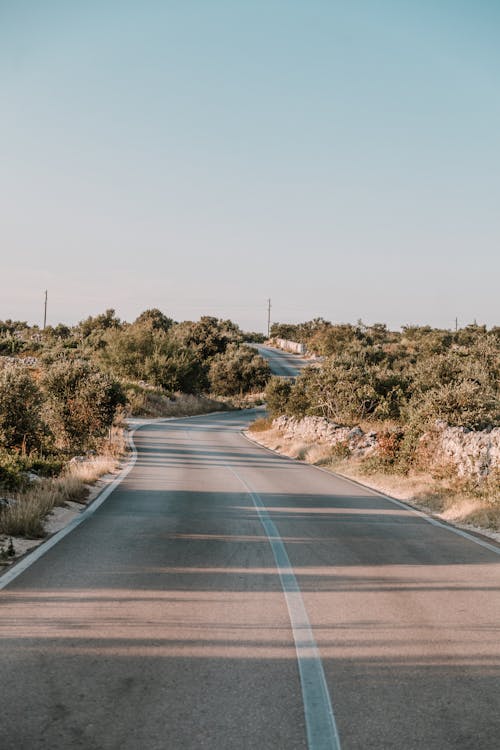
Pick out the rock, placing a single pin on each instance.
(471, 454)
(321, 430)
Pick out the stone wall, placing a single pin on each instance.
(320, 430)
(290, 346)
(471, 454)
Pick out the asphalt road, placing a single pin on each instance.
(282, 363)
(164, 622)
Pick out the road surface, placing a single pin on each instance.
(163, 621)
(282, 363)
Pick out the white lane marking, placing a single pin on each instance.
(423, 515)
(32, 557)
(321, 728)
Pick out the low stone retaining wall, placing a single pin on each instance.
(320, 430)
(290, 346)
(471, 454)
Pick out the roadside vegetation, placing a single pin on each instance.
(409, 390)
(66, 390)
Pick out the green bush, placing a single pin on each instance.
(208, 336)
(81, 403)
(14, 468)
(349, 388)
(176, 369)
(12, 474)
(463, 403)
(238, 370)
(21, 425)
(125, 350)
(154, 319)
(459, 387)
(277, 395)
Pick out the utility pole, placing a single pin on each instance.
(268, 317)
(456, 324)
(45, 311)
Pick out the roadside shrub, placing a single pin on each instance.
(387, 457)
(460, 388)
(21, 425)
(12, 474)
(176, 369)
(238, 370)
(99, 323)
(81, 403)
(464, 403)
(14, 468)
(26, 515)
(277, 394)
(349, 388)
(126, 350)
(10, 346)
(207, 337)
(340, 451)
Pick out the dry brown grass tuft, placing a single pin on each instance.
(153, 403)
(26, 515)
(90, 470)
(261, 425)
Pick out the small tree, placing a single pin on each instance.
(81, 403)
(277, 395)
(176, 369)
(154, 319)
(20, 410)
(208, 336)
(238, 370)
(126, 350)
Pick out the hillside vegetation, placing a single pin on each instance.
(422, 400)
(65, 390)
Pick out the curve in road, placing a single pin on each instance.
(161, 620)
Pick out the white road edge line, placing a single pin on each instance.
(423, 515)
(25, 562)
(322, 733)
(37, 553)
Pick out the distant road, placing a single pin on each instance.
(183, 614)
(282, 363)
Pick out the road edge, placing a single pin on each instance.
(491, 546)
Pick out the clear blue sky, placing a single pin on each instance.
(342, 158)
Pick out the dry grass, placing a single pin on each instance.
(154, 403)
(90, 470)
(319, 455)
(26, 515)
(116, 445)
(453, 501)
(261, 425)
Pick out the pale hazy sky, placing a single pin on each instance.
(342, 158)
